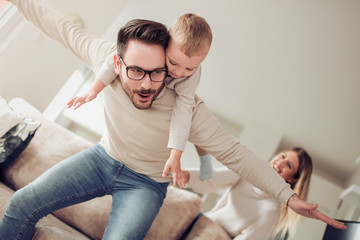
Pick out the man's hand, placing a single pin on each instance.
(310, 210)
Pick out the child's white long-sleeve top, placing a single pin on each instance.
(185, 89)
(244, 211)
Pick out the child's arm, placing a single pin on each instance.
(105, 76)
(95, 89)
(180, 124)
(183, 109)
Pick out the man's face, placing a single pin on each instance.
(147, 57)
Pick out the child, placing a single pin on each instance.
(190, 41)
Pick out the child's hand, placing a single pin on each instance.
(173, 164)
(76, 102)
(95, 89)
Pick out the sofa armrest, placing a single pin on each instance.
(50, 144)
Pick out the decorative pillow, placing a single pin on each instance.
(16, 130)
(16, 139)
(8, 118)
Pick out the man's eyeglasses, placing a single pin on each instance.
(137, 74)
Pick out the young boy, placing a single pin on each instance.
(190, 41)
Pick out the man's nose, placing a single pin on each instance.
(146, 83)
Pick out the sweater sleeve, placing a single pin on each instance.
(222, 178)
(107, 72)
(183, 110)
(207, 133)
(93, 51)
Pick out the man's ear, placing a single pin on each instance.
(117, 64)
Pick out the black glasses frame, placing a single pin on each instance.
(145, 72)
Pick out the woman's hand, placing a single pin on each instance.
(310, 210)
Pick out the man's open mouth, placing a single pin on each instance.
(144, 95)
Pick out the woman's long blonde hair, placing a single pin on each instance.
(289, 220)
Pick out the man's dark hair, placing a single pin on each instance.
(146, 31)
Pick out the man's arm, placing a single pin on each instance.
(310, 210)
(207, 133)
(200, 151)
(87, 48)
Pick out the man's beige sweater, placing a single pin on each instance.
(138, 138)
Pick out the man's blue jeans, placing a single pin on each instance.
(86, 175)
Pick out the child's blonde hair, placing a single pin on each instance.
(289, 220)
(193, 34)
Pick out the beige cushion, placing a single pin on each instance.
(176, 214)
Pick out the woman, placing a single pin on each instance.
(244, 211)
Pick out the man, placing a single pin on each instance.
(129, 160)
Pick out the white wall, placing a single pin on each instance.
(35, 67)
(355, 178)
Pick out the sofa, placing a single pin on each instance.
(51, 143)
